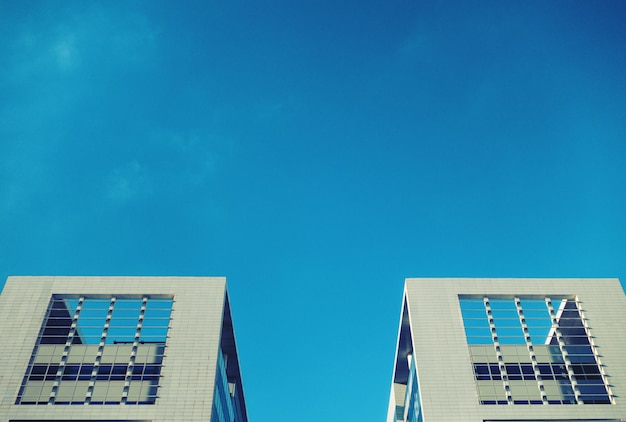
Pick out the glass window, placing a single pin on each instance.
(521, 331)
(507, 321)
(476, 323)
(98, 336)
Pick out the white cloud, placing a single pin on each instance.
(92, 41)
(65, 53)
(128, 182)
(193, 155)
(49, 65)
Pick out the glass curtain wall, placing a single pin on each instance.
(98, 350)
(529, 350)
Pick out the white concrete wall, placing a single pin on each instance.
(445, 372)
(186, 391)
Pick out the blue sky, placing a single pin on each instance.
(316, 153)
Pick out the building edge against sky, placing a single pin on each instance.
(482, 350)
(118, 349)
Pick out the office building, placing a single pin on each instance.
(495, 350)
(132, 349)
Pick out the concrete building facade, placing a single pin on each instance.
(132, 349)
(532, 350)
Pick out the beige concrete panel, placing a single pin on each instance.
(48, 353)
(444, 360)
(186, 391)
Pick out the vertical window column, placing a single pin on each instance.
(530, 348)
(66, 351)
(101, 344)
(601, 390)
(496, 344)
(412, 406)
(133, 355)
(561, 344)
